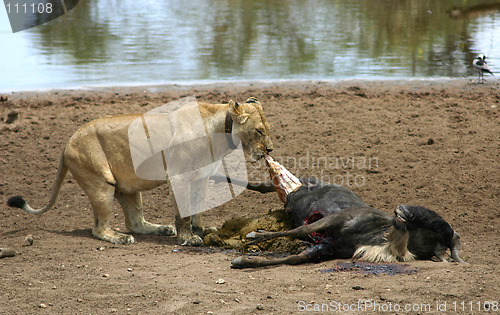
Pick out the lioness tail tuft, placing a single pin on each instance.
(16, 201)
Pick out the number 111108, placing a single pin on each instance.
(25, 8)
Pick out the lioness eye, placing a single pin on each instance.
(259, 132)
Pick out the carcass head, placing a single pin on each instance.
(430, 234)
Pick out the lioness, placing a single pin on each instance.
(99, 157)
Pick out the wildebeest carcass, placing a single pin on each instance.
(339, 224)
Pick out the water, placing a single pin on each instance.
(129, 42)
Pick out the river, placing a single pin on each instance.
(130, 42)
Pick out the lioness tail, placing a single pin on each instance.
(19, 202)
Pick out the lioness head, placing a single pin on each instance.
(251, 126)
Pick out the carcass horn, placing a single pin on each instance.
(455, 248)
(284, 181)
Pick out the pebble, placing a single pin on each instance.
(220, 281)
(28, 240)
(7, 252)
(12, 117)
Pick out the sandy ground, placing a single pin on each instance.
(435, 144)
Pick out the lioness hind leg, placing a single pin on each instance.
(134, 219)
(101, 196)
(102, 204)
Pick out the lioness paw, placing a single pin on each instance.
(125, 240)
(194, 240)
(167, 230)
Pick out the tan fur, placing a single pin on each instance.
(394, 249)
(98, 156)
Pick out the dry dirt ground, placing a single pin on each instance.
(435, 144)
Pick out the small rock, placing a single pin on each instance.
(28, 240)
(12, 117)
(220, 281)
(106, 275)
(260, 307)
(357, 287)
(42, 305)
(7, 252)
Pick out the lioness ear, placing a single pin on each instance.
(252, 100)
(234, 107)
(235, 110)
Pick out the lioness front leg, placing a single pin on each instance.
(134, 219)
(185, 235)
(198, 227)
(198, 189)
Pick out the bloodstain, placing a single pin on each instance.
(372, 268)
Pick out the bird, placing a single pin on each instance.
(482, 67)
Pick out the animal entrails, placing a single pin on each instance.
(338, 224)
(99, 157)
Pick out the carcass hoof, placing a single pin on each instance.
(237, 263)
(245, 262)
(251, 235)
